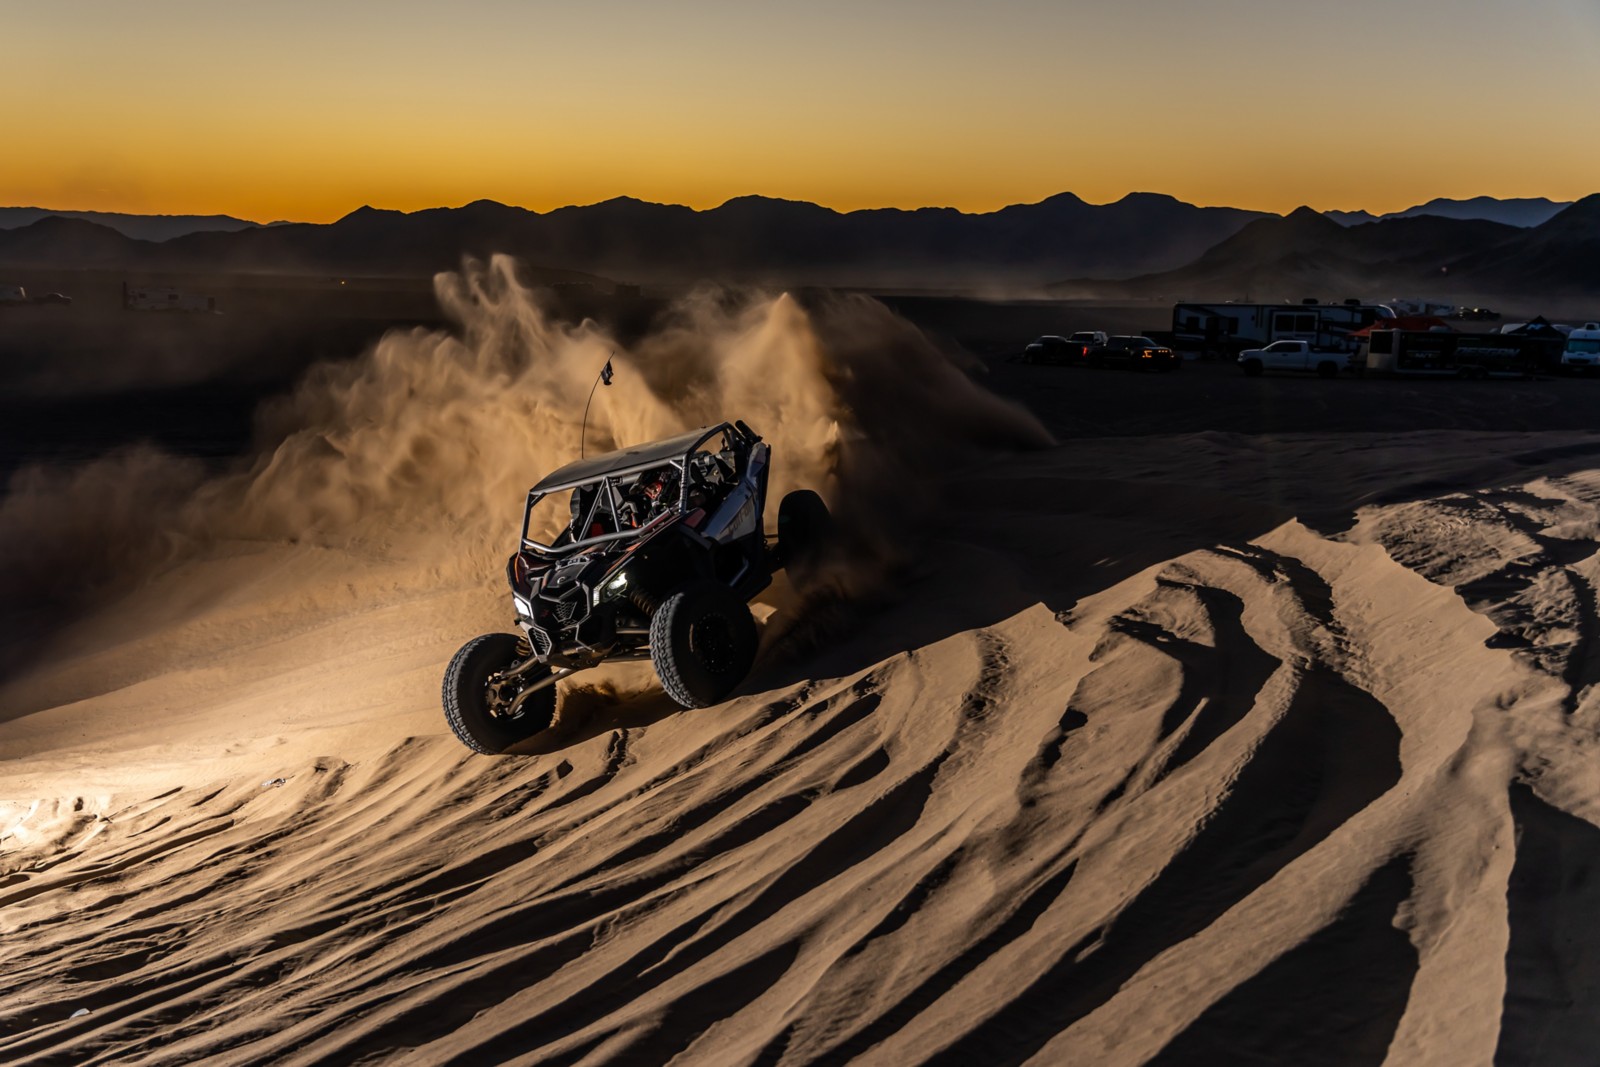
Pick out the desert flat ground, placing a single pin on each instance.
(1180, 719)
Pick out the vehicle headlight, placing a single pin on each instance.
(524, 608)
(612, 588)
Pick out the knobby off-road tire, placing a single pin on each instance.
(469, 707)
(702, 643)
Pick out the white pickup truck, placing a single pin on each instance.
(1293, 356)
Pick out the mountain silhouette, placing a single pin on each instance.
(1306, 253)
(1562, 256)
(745, 239)
(57, 241)
(141, 227)
(1524, 211)
(1155, 244)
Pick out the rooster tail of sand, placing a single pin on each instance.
(424, 447)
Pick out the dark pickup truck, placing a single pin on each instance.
(1068, 351)
(1137, 353)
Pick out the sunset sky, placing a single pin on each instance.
(307, 110)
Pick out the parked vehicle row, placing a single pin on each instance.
(1330, 339)
(1415, 353)
(1093, 348)
(1223, 330)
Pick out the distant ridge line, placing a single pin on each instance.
(1145, 244)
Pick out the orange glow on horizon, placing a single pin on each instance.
(305, 112)
(329, 205)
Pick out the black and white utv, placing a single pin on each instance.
(662, 550)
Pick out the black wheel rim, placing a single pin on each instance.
(711, 641)
(500, 693)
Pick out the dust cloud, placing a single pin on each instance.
(426, 445)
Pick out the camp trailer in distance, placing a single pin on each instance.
(1447, 354)
(1224, 330)
(165, 298)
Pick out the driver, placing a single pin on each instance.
(648, 495)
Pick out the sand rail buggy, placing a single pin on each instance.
(663, 548)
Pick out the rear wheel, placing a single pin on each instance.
(805, 528)
(702, 643)
(1327, 370)
(477, 701)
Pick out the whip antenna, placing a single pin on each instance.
(604, 378)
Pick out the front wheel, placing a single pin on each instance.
(477, 700)
(1253, 368)
(702, 643)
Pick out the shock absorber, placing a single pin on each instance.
(643, 600)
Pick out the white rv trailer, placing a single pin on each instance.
(1227, 329)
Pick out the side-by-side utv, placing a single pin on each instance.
(663, 547)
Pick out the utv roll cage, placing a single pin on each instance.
(661, 547)
(610, 472)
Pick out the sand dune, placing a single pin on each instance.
(1088, 774)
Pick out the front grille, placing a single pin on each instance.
(571, 606)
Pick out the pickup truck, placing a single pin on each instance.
(1138, 353)
(1293, 356)
(1052, 348)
